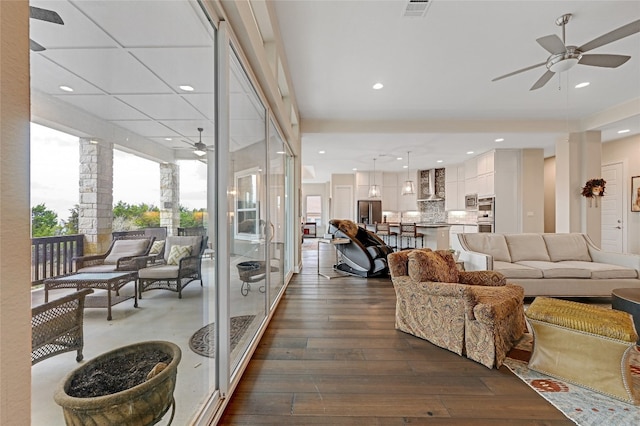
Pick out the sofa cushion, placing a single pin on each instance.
(527, 247)
(557, 270)
(566, 247)
(125, 248)
(603, 270)
(431, 266)
(516, 270)
(494, 245)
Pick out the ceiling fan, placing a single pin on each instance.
(42, 15)
(199, 148)
(564, 57)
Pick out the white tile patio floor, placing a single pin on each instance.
(160, 316)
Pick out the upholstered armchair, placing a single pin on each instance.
(181, 265)
(476, 313)
(126, 253)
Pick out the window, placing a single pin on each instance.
(314, 208)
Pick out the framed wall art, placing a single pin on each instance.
(635, 193)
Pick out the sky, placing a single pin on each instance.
(55, 170)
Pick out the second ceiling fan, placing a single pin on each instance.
(564, 57)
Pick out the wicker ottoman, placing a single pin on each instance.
(585, 345)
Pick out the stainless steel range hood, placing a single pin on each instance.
(432, 193)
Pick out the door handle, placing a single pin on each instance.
(618, 227)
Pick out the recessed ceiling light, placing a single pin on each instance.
(280, 152)
(624, 131)
(168, 139)
(378, 86)
(500, 140)
(354, 169)
(439, 161)
(186, 88)
(66, 88)
(321, 152)
(469, 152)
(405, 167)
(583, 84)
(399, 158)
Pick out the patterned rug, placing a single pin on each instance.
(203, 341)
(584, 407)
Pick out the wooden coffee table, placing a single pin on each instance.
(110, 281)
(628, 300)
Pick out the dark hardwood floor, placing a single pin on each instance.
(331, 356)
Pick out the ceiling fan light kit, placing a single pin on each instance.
(564, 57)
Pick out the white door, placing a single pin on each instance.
(612, 208)
(342, 201)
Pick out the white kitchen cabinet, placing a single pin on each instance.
(470, 229)
(486, 185)
(470, 169)
(451, 196)
(454, 187)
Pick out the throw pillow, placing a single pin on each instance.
(157, 247)
(178, 252)
(431, 266)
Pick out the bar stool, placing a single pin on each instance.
(410, 230)
(383, 230)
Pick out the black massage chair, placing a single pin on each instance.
(366, 254)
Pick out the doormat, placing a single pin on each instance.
(582, 406)
(203, 341)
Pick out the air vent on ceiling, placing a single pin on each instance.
(416, 8)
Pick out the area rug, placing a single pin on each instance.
(203, 341)
(582, 406)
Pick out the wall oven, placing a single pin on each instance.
(471, 201)
(486, 216)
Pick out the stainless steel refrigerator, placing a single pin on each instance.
(369, 211)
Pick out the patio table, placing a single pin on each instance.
(110, 281)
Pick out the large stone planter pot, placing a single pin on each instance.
(144, 404)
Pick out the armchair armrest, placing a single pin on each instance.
(131, 263)
(473, 261)
(188, 264)
(82, 261)
(495, 303)
(483, 278)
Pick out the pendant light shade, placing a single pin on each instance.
(374, 191)
(408, 188)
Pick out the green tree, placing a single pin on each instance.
(70, 227)
(44, 222)
(192, 218)
(142, 215)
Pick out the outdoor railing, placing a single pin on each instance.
(53, 256)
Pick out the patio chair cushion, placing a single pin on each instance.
(160, 272)
(98, 268)
(177, 253)
(125, 248)
(181, 240)
(157, 247)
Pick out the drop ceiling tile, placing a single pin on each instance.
(113, 70)
(145, 128)
(177, 66)
(47, 77)
(151, 23)
(104, 106)
(162, 107)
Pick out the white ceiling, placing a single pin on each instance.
(125, 61)
(439, 101)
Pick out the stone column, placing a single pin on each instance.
(170, 197)
(95, 213)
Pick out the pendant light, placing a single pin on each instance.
(408, 188)
(374, 191)
(200, 148)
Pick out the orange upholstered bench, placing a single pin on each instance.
(583, 344)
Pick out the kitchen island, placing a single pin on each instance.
(436, 234)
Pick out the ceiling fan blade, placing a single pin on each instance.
(607, 61)
(519, 71)
(45, 15)
(617, 34)
(542, 80)
(552, 44)
(36, 47)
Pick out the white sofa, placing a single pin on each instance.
(550, 264)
